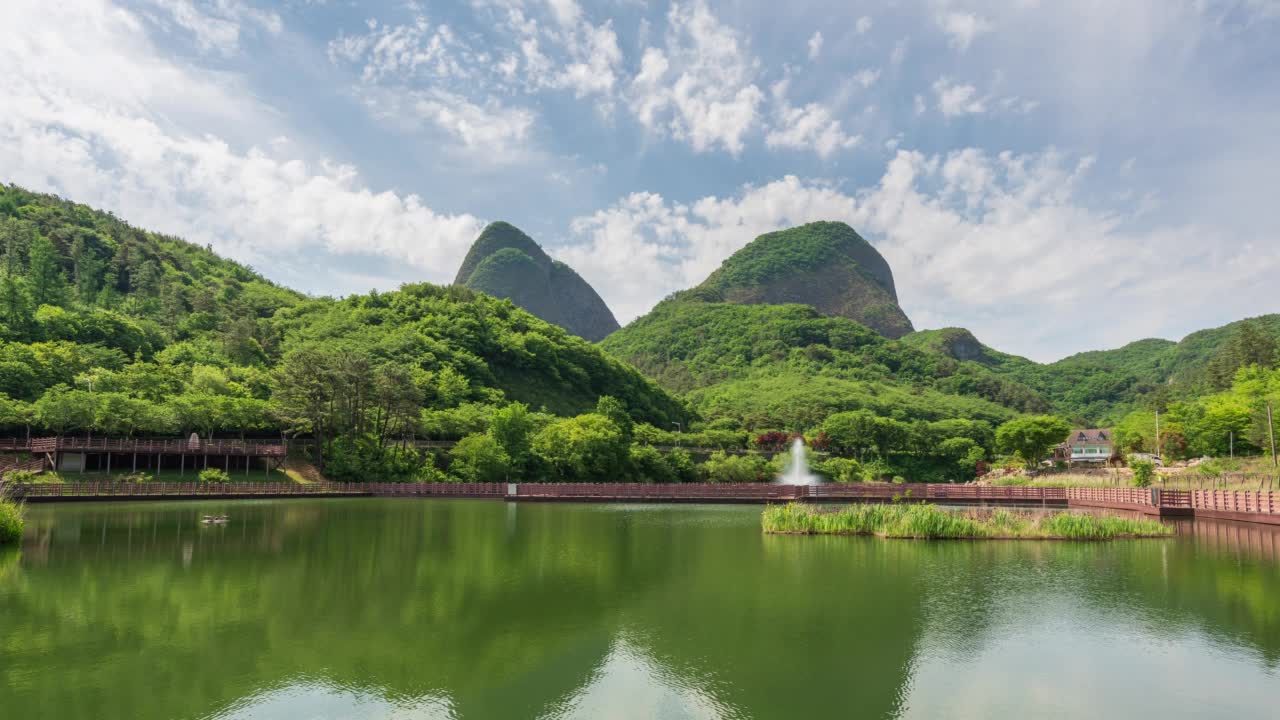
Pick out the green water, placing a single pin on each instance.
(477, 609)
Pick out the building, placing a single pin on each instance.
(1085, 446)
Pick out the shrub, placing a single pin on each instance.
(1143, 471)
(366, 459)
(842, 470)
(23, 477)
(724, 468)
(650, 466)
(10, 521)
(142, 477)
(479, 458)
(214, 475)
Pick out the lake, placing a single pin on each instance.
(386, 608)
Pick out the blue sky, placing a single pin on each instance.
(1056, 177)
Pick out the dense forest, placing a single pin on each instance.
(109, 329)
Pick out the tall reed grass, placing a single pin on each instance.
(931, 522)
(11, 521)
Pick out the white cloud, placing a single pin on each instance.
(815, 45)
(415, 74)
(899, 54)
(955, 99)
(809, 128)
(863, 25)
(218, 24)
(866, 77)
(700, 86)
(89, 115)
(401, 52)
(570, 53)
(961, 28)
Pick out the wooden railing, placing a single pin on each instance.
(255, 448)
(438, 489)
(184, 489)
(661, 491)
(1241, 501)
(1125, 496)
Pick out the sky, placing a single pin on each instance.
(1055, 177)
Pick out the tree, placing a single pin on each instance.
(512, 428)
(304, 397)
(479, 458)
(62, 410)
(48, 284)
(613, 409)
(583, 448)
(118, 414)
(196, 411)
(1032, 436)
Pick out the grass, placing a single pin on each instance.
(930, 522)
(1172, 479)
(11, 521)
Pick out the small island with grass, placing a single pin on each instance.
(928, 522)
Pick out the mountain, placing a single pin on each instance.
(1097, 387)
(826, 265)
(764, 365)
(188, 340)
(506, 263)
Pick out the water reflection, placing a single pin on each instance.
(474, 609)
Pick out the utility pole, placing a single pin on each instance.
(1157, 433)
(1271, 430)
(1231, 444)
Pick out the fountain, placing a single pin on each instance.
(797, 470)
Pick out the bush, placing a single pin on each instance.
(365, 459)
(23, 477)
(214, 475)
(1143, 471)
(650, 466)
(142, 477)
(724, 468)
(842, 470)
(479, 458)
(10, 520)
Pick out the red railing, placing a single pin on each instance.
(662, 491)
(1124, 496)
(255, 448)
(1240, 501)
(438, 489)
(184, 489)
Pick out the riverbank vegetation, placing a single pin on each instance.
(919, 521)
(11, 520)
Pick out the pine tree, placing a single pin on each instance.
(48, 284)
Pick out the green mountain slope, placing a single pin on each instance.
(1100, 386)
(506, 263)
(151, 334)
(776, 365)
(825, 265)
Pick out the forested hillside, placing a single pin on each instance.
(789, 366)
(1099, 387)
(111, 329)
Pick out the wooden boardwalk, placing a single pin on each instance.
(1244, 505)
